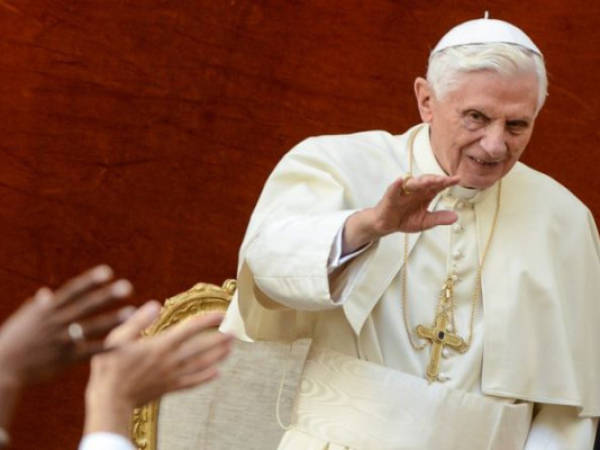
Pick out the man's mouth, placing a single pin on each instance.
(484, 162)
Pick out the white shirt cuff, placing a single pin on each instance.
(336, 259)
(105, 441)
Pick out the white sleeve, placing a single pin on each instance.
(557, 427)
(336, 259)
(305, 202)
(288, 259)
(105, 441)
(340, 281)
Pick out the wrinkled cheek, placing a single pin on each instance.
(452, 165)
(465, 165)
(516, 156)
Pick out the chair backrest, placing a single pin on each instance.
(235, 411)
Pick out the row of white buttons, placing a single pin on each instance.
(456, 254)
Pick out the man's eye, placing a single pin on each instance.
(517, 127)
(474, 120)
(474, 115)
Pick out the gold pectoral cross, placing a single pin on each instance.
(439, 335)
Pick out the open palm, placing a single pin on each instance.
(404, 208)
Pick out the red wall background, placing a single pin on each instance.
(140, 133)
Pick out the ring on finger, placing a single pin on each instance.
(405, 189)
(75, 332)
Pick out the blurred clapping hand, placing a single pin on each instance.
(55, 329)
(139, 370)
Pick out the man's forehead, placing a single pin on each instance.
(493, 93)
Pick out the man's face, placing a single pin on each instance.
(480, 128)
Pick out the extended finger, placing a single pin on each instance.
(194, 379)
(183, 331)
(205, 341)
(100, 325)
(431, 184)
(90, 279)
(40, 305)
(44, 297)
(89, 302)
(133, 327)
(206, 359)
(436, 218)
(409, 189)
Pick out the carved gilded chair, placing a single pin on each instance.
(235, 411)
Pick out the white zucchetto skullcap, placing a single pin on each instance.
(485, 31)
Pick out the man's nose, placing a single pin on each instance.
(493, 141)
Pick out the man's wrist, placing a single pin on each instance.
(359, 230)
(107, 411)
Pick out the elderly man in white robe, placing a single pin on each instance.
(449, 290)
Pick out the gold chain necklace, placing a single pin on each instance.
(476, 290)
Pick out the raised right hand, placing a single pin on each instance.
(403, 208)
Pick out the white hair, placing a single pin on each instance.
(445, 66)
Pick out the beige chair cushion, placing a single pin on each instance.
(238, 409)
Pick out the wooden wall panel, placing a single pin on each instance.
(140, 133)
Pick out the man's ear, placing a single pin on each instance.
(424, 94)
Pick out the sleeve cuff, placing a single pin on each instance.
(336, 259)
(105, 441)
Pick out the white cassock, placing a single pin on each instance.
(531, 377)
